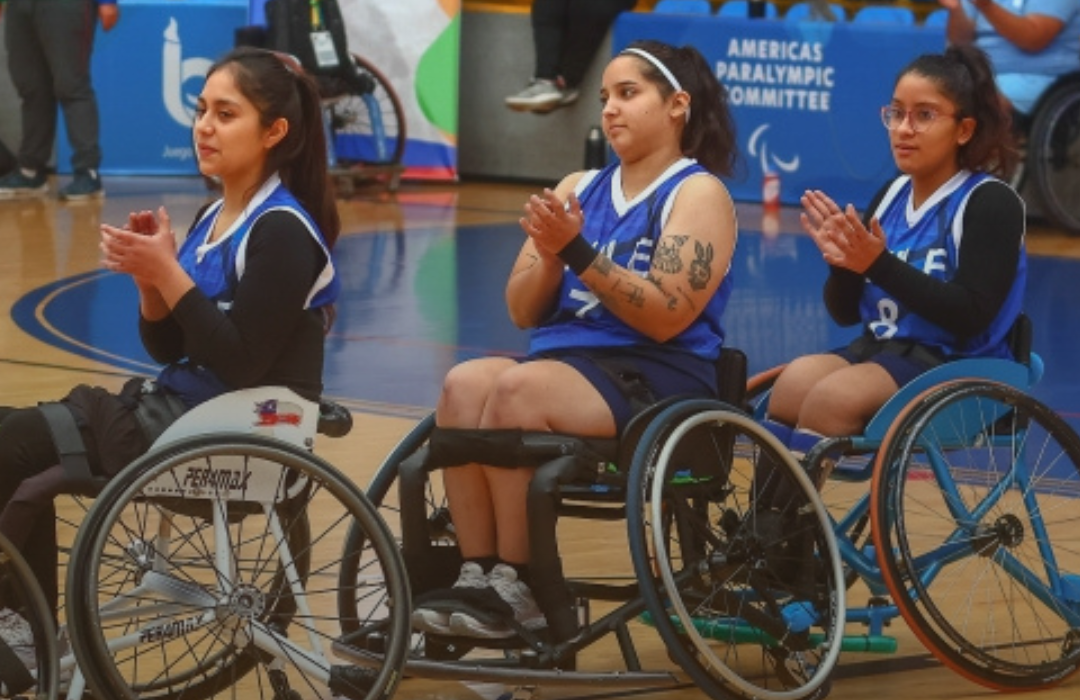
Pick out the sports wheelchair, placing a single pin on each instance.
(208, 567)
(365, 120)
(973, 483)
(694, 540)
(966, 529)
(1052, 161)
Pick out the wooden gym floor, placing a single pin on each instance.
(423, 274)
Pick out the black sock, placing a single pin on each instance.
(522, 571)
(486, 563)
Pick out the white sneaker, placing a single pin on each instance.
(438, 621)
(504, 580)
(16, 633)
(541, 95)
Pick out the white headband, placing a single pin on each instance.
(663, 71)
(658, 65)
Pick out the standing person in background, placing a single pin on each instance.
(1030, 42)
(49, 44)
(566, 36)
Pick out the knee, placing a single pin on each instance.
(464, 393)
(790, 390)
(508, 401)
(828, 410)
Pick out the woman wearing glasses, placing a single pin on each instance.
(933, 271)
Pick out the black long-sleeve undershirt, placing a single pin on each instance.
(993, 229)
(266, 337)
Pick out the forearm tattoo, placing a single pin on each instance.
(633, 294)
(672, 301)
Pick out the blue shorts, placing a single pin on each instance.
(902, 359)
(631, 378)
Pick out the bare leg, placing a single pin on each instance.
(844, 402)
(536, 396)
(796, 381)
(465, 392)
(827, 395)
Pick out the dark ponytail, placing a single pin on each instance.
(966, 76)
(280, 89)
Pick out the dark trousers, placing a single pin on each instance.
(568, 33)
(49, 43)
(27, 449)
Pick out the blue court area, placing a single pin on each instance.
(417, 301)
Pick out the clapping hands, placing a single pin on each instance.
(142, 248)
(840, 234)
(550, 222)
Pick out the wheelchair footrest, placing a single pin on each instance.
(736, 631)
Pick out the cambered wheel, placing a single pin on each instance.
(368, 125)
(209, 568)
(21, 596)
(747, 596)
(435, 567)
(974, 504)
(1054, 156)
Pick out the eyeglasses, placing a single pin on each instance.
(920, 118)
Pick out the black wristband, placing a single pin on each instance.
(578, 254)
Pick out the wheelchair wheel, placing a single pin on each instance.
(747, 596)
(974, 518)
(438, 561)
(367, 127)
(21, 600)
(1054, 156)
(208, 568)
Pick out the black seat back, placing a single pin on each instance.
(1020, 339)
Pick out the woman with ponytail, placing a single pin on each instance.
(242, 302)
(933, 271)
(623, 280)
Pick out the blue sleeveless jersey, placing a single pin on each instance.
(627, 233)
(216, 269)
(932, 244)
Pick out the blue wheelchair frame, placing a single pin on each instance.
(920, 425)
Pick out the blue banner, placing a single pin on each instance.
(806, 96)
(148, 72)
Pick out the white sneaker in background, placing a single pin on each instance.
(541, 95)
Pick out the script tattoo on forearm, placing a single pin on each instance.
(672, 301)
(631, 292)
(603, 265)
(668, 258)
(701, 268)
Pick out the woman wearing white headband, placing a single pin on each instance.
(623, 279)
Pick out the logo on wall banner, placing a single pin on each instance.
(758, 147)
(176, 71)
